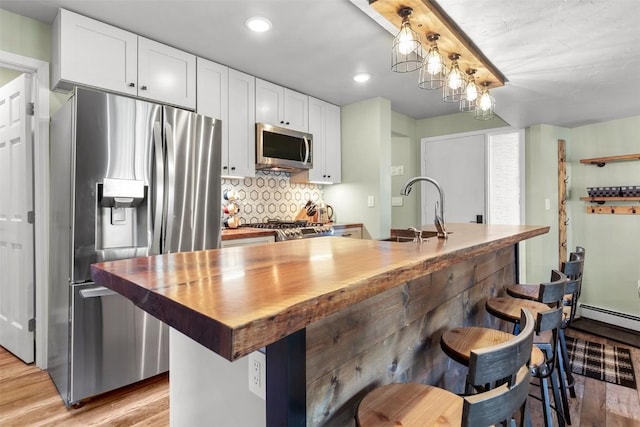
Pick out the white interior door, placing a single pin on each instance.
(458, 165)
(16, 231)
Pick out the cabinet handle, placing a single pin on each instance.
(287, 123)
(281, 122)
(233, 168)
(347, 235)
(225, 167)
(132, 85)
(143, 88)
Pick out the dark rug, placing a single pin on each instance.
(600, 361)
(606, 330)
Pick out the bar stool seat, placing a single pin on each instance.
(508, 308)
(502, 367)
(410, 404)
(457, 343)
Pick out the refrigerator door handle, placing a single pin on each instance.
(159, 189)
(170, 191)
(100, 291)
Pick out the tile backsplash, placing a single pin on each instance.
(270, 195)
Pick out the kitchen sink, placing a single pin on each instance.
(407, 235)
(398, 239)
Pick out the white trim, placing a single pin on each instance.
(40, 71)
(627, 321)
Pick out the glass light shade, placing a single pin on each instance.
(485, 106)
(405, 53)
(433, 70)
(455, 83)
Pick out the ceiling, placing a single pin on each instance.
(568, 62)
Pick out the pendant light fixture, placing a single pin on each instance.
(455, 82)
(405, 53)
(468, 102)
(433, 69)
(485, 105)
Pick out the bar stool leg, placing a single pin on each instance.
(567, 364)
(546, 408)
(561, 368)
(556, 397)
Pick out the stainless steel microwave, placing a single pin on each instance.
(283, 149)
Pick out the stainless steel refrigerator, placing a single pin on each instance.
(128, 178)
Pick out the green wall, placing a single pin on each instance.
(612, 264)
(27, 37)
(366, 160)
(541, 184)
(405, 151)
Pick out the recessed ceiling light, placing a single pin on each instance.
(258, 24)
(362, 77)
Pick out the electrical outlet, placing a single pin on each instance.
(397, 170)
(257, 374)
(371, 201)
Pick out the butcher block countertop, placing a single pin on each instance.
(236, 300)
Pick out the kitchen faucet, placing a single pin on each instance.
(439, 218)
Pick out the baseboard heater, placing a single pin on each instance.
(611, 317)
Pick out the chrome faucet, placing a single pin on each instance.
(438, 217)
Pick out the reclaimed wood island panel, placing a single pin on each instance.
(352, 314)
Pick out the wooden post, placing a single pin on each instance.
(562, 203)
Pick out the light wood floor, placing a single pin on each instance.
(29, 398)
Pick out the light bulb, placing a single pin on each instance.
(434, 62)
(472, 92)
(485, 101)
(406, 40)
(455, 79)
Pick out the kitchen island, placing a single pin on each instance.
(336, 316)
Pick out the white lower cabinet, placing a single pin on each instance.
(352, 232)
(247, 241)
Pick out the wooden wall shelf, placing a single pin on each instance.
(610, 199)
(601, 161)
(613, 209)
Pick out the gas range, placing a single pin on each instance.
(291, 230)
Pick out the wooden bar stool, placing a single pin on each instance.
(547, 338)
(422, 405)
(573, 270)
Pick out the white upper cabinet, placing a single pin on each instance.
(166, 74)
(279, 106)
(242, 126)
(324, 125)
(91, 53)
(229, 95)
